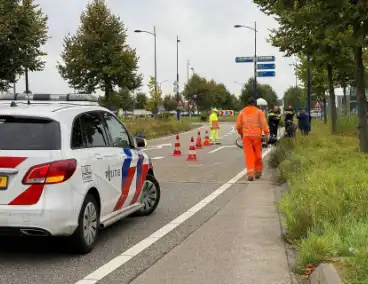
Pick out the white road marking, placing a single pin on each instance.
(157, 158)
(220, 148)
(158, 147)
(120, 260)
(215, 150)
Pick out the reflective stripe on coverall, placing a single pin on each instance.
(214, 126)
(250, 123)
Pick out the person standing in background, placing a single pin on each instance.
(214, 126)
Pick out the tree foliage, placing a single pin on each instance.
(155, 100)
(209, 93)
(141, 100)
(97, 56)
(122, 99)
(23, 32)
(295, 97)
(169, 102)
(332, 31)
(264, 91)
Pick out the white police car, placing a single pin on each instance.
(69, 167)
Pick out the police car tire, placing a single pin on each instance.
(78, 241)
(142, 212)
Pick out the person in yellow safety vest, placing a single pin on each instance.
(214, 126)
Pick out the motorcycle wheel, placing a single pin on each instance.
(239, 142)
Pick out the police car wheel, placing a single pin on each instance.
(84, 238)
(151, 195)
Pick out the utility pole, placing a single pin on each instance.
(26, 79)
(177, 78)
(155, 51)
(188, 66)
(255, 62)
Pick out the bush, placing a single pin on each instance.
(153, 128)
(204, 115)
(325, 210)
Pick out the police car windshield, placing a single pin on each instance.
(29, 133)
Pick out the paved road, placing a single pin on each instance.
(183, 184)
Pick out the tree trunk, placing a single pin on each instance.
(360, 89)
(324, 109)
(331, 91)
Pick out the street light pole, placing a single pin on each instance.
(255, 62)
(188, 66)
(255, 56)
(155, 52)
(155, 44)
(177, 77)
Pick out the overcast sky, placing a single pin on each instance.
(205, 28)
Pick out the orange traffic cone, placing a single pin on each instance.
(199, 141)
(192, 156)
(177, 151)
(206, 141)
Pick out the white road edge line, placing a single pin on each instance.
(120, 260)
(157, 158)
(215, 150)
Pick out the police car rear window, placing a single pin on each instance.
(29, 133)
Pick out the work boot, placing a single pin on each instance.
(251, 177)
(258, 176)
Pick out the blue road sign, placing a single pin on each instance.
(266, 58)
(244, 59)
(266, 66)
(266, 74)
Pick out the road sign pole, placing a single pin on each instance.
(255, 62)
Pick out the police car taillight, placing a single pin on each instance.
(51, 173)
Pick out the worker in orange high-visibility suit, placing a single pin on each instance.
(250, 123)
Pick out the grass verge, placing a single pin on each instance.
(153, 128)
(325, 210)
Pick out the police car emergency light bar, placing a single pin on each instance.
(49, 97)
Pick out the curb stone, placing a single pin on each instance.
(325, 273)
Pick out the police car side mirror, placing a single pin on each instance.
(140, 135)
(141, 142)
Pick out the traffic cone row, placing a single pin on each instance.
(192, 155)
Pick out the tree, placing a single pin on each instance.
(295, 97)
(264, 91)
(97, 55)
(329, 28)
(207, 93)
(127, 101)
(141, 100)
(23, 32)
(156, 95)
(122, 99)
(169, 102)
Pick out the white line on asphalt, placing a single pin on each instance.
(217, 149)
(222, 147)
(170, 136)
(120, 260)
(157, 158)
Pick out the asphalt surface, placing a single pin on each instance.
(183, 184)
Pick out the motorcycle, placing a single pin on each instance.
(271, 141)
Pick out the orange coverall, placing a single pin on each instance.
(250, 123)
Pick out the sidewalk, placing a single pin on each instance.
(241, 245)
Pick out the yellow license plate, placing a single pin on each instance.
(3, 182)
